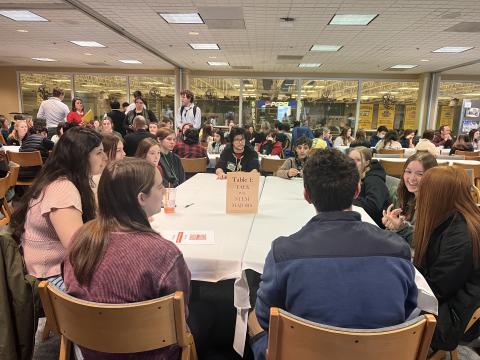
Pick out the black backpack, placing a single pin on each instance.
(194, 111)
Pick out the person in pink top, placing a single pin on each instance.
(58, 203)
(118, 258)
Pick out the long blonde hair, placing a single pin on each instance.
(14, 133)
(443, 190)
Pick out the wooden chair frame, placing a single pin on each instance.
(33, 158)
(290, 337)
(392, 151)
(392, 168)
(468, 153)
(476, 171)
(117, 328)
(270, 165)
(5, 209)
(198, 165)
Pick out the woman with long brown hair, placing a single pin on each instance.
(447, 249)
(117, 257)
(170, 164)
(400, 216)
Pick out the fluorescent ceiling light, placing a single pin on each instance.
(402, 66)
(87, 43)
(21, 15)
(218, 63)
(43, 59)
(90, 85)
(388, 92)
(61, 80)
(452, 49)
(471, 94)
(424, 60)
(307, 86)
(22, 31)
(130, 61)
(326, 47)
(193, 33)
(352, 19)
(88, 54)
(204, 46)
(309, 65)
(32, 84)
(407, 88)
(187, 18)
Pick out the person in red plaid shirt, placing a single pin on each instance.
(190, 147)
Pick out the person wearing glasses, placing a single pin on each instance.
(237, 156)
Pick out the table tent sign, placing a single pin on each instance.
(242, 192)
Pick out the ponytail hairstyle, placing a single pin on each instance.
(128, 177)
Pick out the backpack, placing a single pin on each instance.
(194, 111)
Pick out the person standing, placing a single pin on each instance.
(76, 115)
(118, 118)
(54, 110)
(189, 112)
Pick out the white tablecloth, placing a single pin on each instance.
(11, 148)
(213, 158)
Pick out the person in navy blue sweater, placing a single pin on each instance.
(336, 270)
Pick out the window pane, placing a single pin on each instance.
(158, 92)
(38, 87)
(217, 98)
(97, 91)
(389, 103)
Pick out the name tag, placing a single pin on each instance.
(231, 166)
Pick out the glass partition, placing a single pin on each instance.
(34, 88)
(97, 91)
(217, 98)
(158, 92)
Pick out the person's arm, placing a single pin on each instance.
(177, 278)
(197, 122)
(41, 111)
(66, 223)
(221, 165)
(375, 192)
(253, 163)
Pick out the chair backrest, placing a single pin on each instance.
(198, 165)
(14, 169)
(290, 337)
(387, 156)
(270, 165)
(393, 168)
(33, 158)
(4, 186)
(469, 153)
(450, 157)
(474, 167)
(2, 140)
(472, 157)
(116, 328)
(391, 151)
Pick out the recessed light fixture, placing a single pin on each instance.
(21, 15)
(43, 59)
(452, 49)
(403, 66)
(87, 43)
(130, 61)
(88, 54)
(22, 31)
(325, 47)
(218, 63)
(186, 18)
(309, 65)
(352, 19)
(212, 57)
(193, 33)
(204, 46)
(424, 60)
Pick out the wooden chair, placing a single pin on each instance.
(198, 165)
(450, 157)
(467, 153)
(4, 208)
(387, 156)
(393, 168)
(472, 157)
(270, 165)
(476, 171)
(290, 337)
(440, 354)
(13, 169)
(2, 140)
(33, 158)
(117, 328)
(392, 151)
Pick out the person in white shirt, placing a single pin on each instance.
(189, 112)
(426, 144)
(54, 111)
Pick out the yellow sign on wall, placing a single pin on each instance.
(446, 115)
(410, 117)
(386, 117)
(366, 116)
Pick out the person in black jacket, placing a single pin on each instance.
(447, 250)
(170, 164)
(118, 118)
(237, 156)
(132, 140)
(374, 196)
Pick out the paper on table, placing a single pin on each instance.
(190, 237)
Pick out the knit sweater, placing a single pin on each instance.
(135, 267)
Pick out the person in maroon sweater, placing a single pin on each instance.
(118, 258)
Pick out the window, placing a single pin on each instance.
(158, 92)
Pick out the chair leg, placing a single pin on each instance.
(46, 331)
(65, 348)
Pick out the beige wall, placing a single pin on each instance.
(8, 91)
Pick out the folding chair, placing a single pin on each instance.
(290, 337)
(270, 165)
(117, 328)
(393, 168)
(194, 166)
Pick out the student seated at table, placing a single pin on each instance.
(190, 147)
(133, 139)
(360, 139)
(447, 250)
(117, 258)
(381, 131)
(336, 270)
(462, 143)
(113, 147)
(345, 138)
(426, 144)
(293, 167)
(318, 142)
(407, 139)
(389, 142)
(218, 144)
(237, 156)
(400, 216)
(271, 146)
(19, 133)
(374, 196)
(170, 164)
(149, 149)
(58, 203)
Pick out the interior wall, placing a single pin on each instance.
(8, 91)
